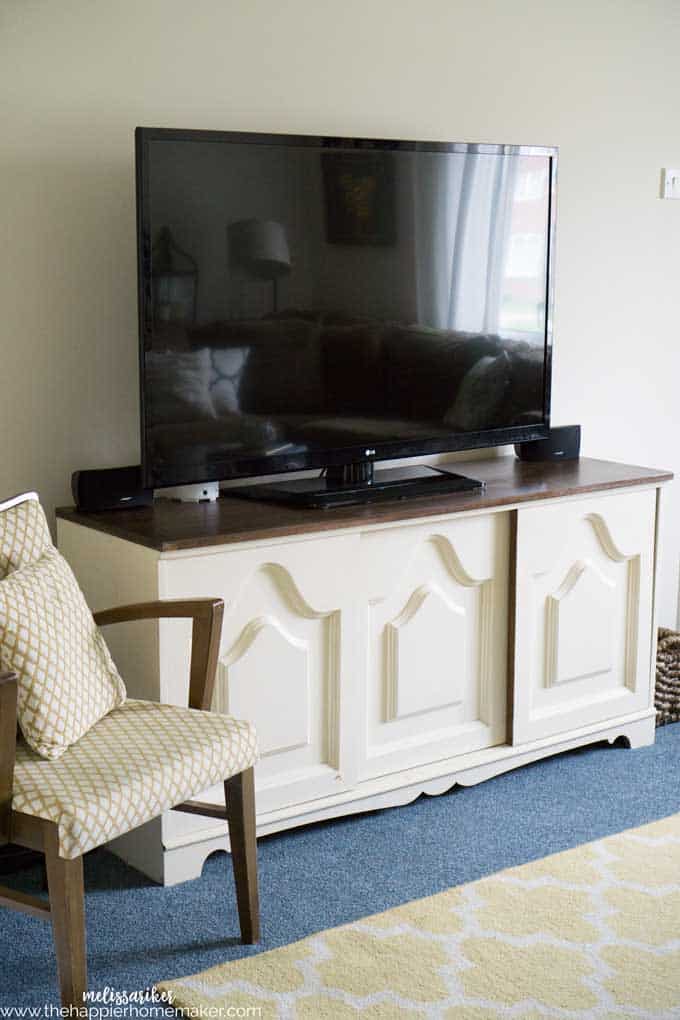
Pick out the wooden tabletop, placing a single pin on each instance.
(167, 526)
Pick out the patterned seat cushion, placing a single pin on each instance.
(137, 762)
(24, 534)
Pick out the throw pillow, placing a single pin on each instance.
(228, 364)
(425, 368)
(24, 534)
(179, 386)
(67, 678)
(481, 394)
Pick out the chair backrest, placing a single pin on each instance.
(24, 532)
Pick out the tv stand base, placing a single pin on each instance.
(396, 649)
(358, 483)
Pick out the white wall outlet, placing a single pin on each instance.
(670, 183)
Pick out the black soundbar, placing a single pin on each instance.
(110, 489)
(563, 443)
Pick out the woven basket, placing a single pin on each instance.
(667, 691)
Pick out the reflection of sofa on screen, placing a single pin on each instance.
(295, 384)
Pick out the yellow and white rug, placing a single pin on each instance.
(593, 932)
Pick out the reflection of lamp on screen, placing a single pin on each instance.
(261, 248)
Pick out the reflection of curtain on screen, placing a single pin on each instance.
(463, 208)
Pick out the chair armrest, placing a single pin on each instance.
(205, 636)
(8, 746)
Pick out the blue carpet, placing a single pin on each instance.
(328, 874)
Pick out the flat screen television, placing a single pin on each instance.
(325, 303)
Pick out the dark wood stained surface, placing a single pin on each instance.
(167, 526)
(239, 795)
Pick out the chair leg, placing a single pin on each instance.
(67, 905)
(239, 792)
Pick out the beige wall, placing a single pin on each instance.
(600, 79)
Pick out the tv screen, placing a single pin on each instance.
(308, 302)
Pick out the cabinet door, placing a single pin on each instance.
(280, 665)
(435, 627)
(583, 633)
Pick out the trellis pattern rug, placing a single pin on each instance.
(593, 932)
(667, 690)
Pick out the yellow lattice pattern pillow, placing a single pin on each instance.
(24, 535)
(67, 678)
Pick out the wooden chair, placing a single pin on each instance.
(35, 830)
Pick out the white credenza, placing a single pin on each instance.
(395, 649)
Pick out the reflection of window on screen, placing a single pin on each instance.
(523, 299)
(531, 186)
(526, 256)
